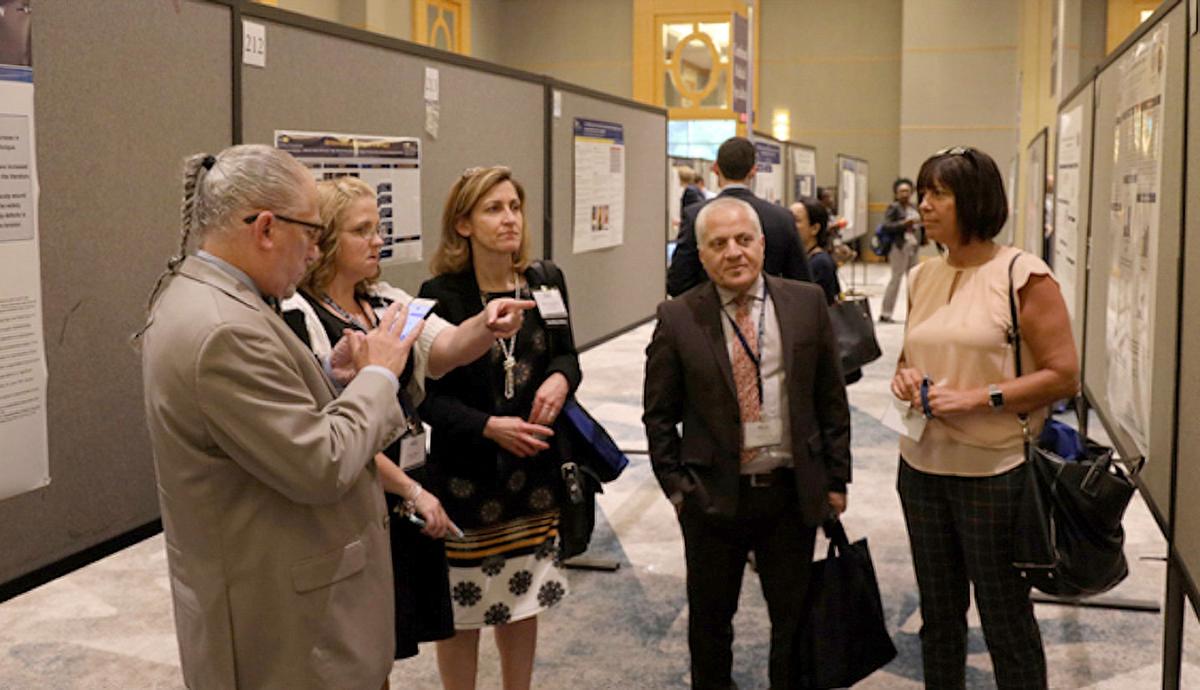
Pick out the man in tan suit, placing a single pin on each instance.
(275, 522)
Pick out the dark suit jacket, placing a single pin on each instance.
(689, 379)
(691, 195)
(784, 255)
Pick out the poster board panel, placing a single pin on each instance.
(852, 180)
(483, 119)
(1130, 342)
(1072, 205)
(802, 171)
(114, 215)
(1033, 212)
(613, 288)
(1187, 481)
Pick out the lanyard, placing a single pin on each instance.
(754, 358)
(347, 316)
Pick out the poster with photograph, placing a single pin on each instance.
(599, 185)
(392, 165)
(25, 458)
(1067, 205)
(768, 176)
(1133, 225)
(804, 172)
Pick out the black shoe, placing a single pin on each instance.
(886, 319)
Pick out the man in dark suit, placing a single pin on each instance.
(749, 365)
(735, 170)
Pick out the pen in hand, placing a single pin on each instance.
(419, 522)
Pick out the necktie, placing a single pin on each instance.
(745, 374)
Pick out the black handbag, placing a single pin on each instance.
(844, 638)
(855, 331)
(1068, 540)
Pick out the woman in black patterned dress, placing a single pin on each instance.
(491, 457)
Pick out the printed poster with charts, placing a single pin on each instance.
(24, 447)
(599, 185)
(1066, 204)
(804, 172)
(1133, 225)
(391, 165)
(768, 178)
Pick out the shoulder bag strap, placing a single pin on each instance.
(1014, 338)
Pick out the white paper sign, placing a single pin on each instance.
(431, 84)
(254, 44)
(24, 447)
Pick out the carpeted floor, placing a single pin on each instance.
(108, 626)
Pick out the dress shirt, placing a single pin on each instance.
(774, 375)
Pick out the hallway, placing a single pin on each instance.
(108, 626)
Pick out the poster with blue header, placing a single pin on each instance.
(768, 177)
(25, 462)
(599, 185)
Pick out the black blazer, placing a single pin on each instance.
(459, 404)
(784, 255)
(689, 379)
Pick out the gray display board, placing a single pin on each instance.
(1072, 204)
(1158, 318)
(613, 288)
(802, 171)
(322, 83)
(114, 120)
(1187, 479)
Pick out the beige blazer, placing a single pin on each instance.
(276, 536)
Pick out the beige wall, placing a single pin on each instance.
(835, 65)
(584, 42)
(389, 17)
(487, 36)
(959, 79)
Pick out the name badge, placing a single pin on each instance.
(550, 305)
(763, 433)
(412, 451)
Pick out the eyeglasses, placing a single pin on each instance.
(955, 151)
(314, 230)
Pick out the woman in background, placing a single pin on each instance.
(812, 222)
(902, 223)
(491, 424)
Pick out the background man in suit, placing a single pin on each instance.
(735, 169)
(275, 521)
(750, 366)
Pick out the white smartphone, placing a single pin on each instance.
(418, 310)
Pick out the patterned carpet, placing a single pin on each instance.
(108, 626)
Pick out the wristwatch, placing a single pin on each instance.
(995, 397)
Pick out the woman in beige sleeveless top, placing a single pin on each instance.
(960, 482)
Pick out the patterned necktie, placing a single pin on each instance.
(745, 374)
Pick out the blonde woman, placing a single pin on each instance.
(342, 293)
(492, 456)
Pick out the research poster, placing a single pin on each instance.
(804, 172)
(1133, 226)
(24, 449)
(392, 165)
(853, 177)
(1035, 195)
(769, 175)
(599, 185)
(1067, 206)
